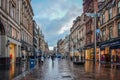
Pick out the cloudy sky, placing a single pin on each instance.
(55, 17)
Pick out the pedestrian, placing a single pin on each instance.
(52, 57)
(42, 59)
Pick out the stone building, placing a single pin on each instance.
(42, 44)
(77, 37)
(26, 24)
(35, 39)
(109, 25)
(15, 25)
(90, 6)
(10, 45)
(60, 47)
(74, 33)
(67, 46)
(81, 36)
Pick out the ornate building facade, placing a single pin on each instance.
(90, 6)
(10, 31)
(26, 24)
(15, 25)
(109, 25)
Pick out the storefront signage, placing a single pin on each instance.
(111, 44)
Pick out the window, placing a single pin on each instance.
(110, 13)
(14, 33)
(103, 34)
(119, 7)
(12, 10)
(119, 29)
(110, 32)
(103, 18)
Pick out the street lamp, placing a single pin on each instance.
(94, 15)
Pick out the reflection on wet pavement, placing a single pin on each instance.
(62, 69)
(8, 72)
(66, 70)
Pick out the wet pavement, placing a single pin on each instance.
(63, 69)
(8, 72)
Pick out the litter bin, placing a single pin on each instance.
(32, 63)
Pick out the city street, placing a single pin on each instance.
(59, 39)
(63, 69)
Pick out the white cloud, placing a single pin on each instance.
(51, 48)
(66, 27)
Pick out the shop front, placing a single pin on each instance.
(97, 53)
(89, 53)
(12, 52)
(105, 54)
(82, 53)
(110, 51)
(115, 54)
(27, 51)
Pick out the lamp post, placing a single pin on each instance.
(94, 15)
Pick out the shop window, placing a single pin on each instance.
(107, 50)
(119, 29)
(119, 7)
(110, 13)
(110, 32)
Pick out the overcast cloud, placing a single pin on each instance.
(55, 17)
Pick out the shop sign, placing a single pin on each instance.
(111, 44)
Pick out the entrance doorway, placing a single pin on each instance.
(12, 52)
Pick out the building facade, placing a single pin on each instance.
(90, 6)
(15, 30)
(109, 25)
(60, 47)
(10, 45)
(74, 33)
(26, 24)
(66, 46)
(35, 39)
(81, 36)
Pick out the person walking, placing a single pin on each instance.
(52, 57)
(42, 59)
